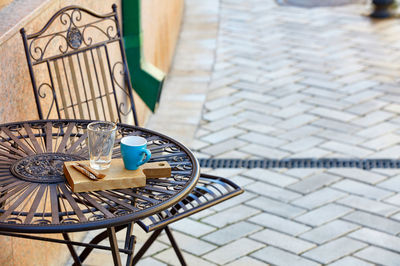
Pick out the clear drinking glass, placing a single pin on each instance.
(101, 142)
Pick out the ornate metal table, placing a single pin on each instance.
(34, 196)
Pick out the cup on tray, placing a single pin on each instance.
(134, 152)
(101, 136)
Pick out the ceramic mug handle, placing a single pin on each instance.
(147, 158)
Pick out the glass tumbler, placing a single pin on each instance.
(101, 142)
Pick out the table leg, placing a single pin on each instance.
(129, 230)
(131, 246)
(175, 246)
(97, 239)
(146, 246)
(114, 246)
(130, 242)
(72, 250)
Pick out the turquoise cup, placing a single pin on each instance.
(134, 152)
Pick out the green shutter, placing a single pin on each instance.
(147, 80)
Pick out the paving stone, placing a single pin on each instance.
(373, 118)
(229, 216)
(220, 113)
(361, 189)
(350, 261)
(314, 182)
(334, 250)
(190, 244)
(363, 96)
(232, 154)
(220, 92)
(393, 200)
(336, 125)
(297, 121)
(395, 108)
(327, 103)
(377, 130)
(279, 224)
(168, 256)
(301, 132)
(319, 198)
(303, 172)
(224, 146)
(314, 152)
(155, 248)
(323, 214)
(225, 172)
(259, 118)
(329, 231)
(279, 257)
(232, 232)
(192, 227)
(302, 144)
(262, 139)
(391, 184)
(257, 127)
(263, 151)
(292, 110)
(382, 142)
(222, 135)
(149, 262)
(256, 107)
(101, 257)
(341, 137)
(275, 207)
(202, 214)
(253, 96)
(197, 144)
(373, 221)
(332, 114)
(222, 123)
(247, 261)
(358, 174)
(379, 256)
(366, 107)
(220, 102)
(324, 93)
(368, 205)
(233, 251)
(274, 178)
(377, 238)
(349, 150)
(272, 191)
(321, 83)
(282, 241)
(242, 198)
(387, 153)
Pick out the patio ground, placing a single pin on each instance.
(252, 79)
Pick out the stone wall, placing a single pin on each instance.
(160, 22)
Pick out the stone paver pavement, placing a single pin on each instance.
(273, 81)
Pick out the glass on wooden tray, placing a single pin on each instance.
(101, 142)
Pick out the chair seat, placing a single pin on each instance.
(210, 190)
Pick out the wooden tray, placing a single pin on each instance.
(117, 177)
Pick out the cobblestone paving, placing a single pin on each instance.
(293, 82)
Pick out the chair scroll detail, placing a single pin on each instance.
(78, 67)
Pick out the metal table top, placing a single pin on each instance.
(34, 195)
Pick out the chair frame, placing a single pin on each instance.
(74, 39)
(75, 43)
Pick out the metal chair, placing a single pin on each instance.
(78, 70)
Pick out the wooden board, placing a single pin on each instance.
(117, 177)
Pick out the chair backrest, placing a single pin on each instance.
(78, 67)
